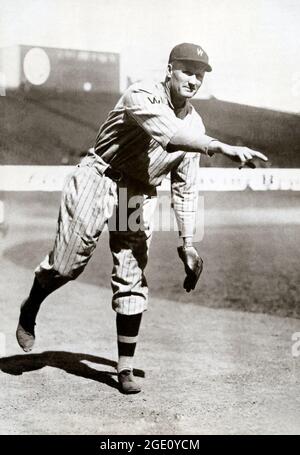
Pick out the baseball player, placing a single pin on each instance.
(151, 132)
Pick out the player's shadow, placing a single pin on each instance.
(70, 362)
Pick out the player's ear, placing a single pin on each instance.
(169, 70)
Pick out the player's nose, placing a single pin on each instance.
(193, 79)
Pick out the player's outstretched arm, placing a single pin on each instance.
(236, 153)
(189, 140)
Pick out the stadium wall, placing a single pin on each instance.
(51, 178)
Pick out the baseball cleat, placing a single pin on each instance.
(25, 330)
(25, 338)
(127, 382)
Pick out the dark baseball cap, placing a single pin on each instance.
(190, 52)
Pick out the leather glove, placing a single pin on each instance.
(193, 266)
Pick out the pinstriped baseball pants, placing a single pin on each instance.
(89, 201)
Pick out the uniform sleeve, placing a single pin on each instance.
(185, 193)
(155, 117)
(192, 134)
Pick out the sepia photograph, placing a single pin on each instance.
(149, 220)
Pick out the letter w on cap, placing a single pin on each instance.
(199, 51)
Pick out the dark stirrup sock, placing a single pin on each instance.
(127, 332)
(31, 306)
(29, 309)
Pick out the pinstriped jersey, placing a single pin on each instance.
(134, 138)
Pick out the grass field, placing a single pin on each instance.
(250, 250)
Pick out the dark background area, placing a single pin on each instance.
(46, 127)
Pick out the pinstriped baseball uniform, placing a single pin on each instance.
(132, 141)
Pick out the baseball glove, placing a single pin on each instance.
(193, 266)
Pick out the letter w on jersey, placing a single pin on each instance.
(154, 100)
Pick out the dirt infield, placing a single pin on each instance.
(206, 366)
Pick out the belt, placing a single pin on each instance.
(113, 174)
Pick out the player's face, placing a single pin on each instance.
(185, 79)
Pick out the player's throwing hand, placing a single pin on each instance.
(237, 153)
